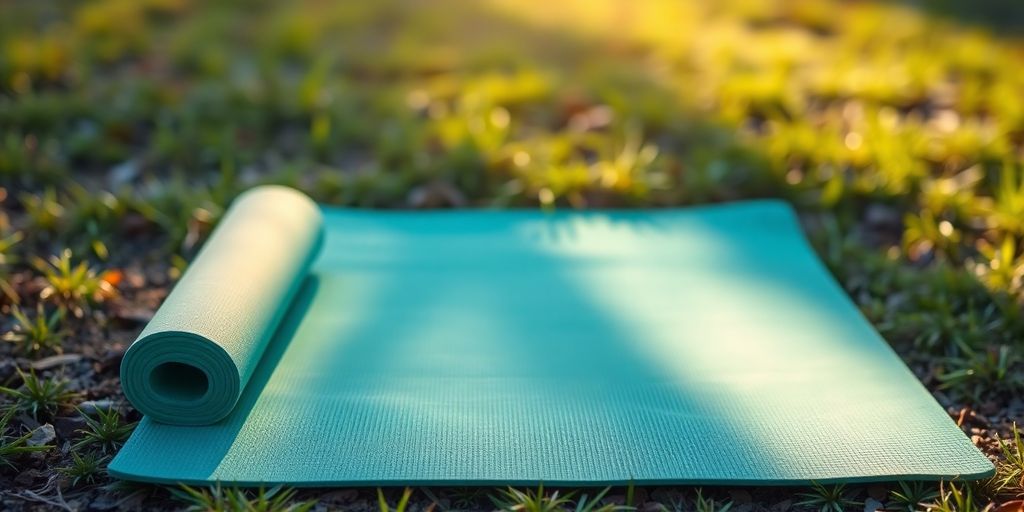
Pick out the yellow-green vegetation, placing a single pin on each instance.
(515, 500)
(954, 498)
(70, 285)
(225, 499)
(1010, 470)
(7, 260)
(895, 128)
(403, 502)
(36, 333)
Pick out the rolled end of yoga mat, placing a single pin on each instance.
(231, 298)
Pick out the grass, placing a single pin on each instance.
(911, 496)
(953, 498)
(84, 468)
(828, 498)
(403, 502)
(7, 259)
(72, 286)
(225, 499)
(12, 447)
(595, 504)
(40, 397)
(703, 504)
(515, 500)
(1010, 470)
(895, 128)
(38, 333)
(106, 432)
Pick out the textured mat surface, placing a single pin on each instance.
(702, 345)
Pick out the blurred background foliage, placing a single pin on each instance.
(896, 128)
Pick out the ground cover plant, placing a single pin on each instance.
(895, 128)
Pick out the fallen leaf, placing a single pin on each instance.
(1011, 506)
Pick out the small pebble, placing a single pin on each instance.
(41, 436)
(872, 505)
(94, 406)
(1011, 506)
(651, 506)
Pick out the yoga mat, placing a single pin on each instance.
(192, 360)
(705, 345)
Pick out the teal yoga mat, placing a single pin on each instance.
(322, 346)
